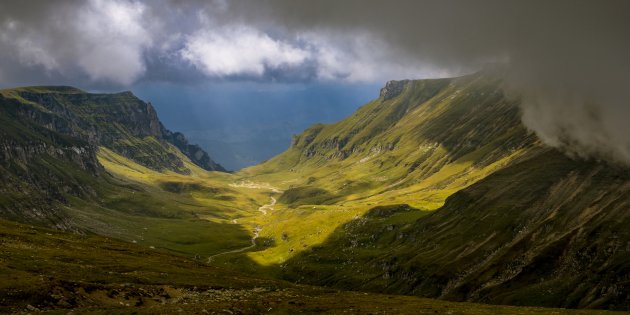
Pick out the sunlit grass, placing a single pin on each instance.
(415, 169)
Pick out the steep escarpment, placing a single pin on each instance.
(194, 152)
(39, 166)
(119, 121)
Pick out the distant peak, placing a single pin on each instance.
(393, 88)
(126, 93)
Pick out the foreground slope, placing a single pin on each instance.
(57, 272)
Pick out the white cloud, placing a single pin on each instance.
(350, 58)
(239, 50)
(33, 53)
(245, 51)
(361, 57)
(101, 40)
(112, 40)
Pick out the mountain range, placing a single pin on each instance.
(434, 189)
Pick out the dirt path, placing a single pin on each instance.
(268, 206)
(253, 244)
(262, 209)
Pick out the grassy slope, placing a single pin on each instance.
(192, 213)
(545, 231)
(55, 271)
(534, 230)
(418, 148)
(46, 181)
(54, 190)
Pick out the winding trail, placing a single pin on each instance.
(253, 241)
(257, 230)
(268, 206)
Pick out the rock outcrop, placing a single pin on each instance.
(392, 89)
(195, 153)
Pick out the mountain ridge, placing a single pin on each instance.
(437, 189)
(89, 111)
(403, 140)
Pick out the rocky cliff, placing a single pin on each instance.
(118, 121)
(49, 139)
(194, 152)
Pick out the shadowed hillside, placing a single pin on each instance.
(546, 231)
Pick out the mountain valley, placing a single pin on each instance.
(428, 199)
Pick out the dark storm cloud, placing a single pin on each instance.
(115, 43)
(567, 59)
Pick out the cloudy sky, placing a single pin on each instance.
(118, 43)
(567, 59)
